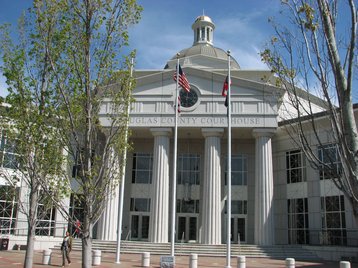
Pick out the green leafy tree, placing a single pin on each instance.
(80, 45)
(93, 90)
(27, 126)
(317, 50)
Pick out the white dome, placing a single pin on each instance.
(203, 18)
(203, 54)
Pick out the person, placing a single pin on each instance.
(77, 229)
(66, 248)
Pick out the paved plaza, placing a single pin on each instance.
(12, 258)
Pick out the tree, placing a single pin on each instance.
(317, 51)
(85, 60)
(27, 131)
(80, 44)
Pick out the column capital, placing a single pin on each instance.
(263, 132)
(212, 132)
(161, 131)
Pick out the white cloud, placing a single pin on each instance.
(157, 39)
(3, 86)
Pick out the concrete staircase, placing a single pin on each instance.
(277, 252)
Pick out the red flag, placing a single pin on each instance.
(225, 87)
(225, 90)
(183, 81)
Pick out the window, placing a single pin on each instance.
(298, 229)
(295, 166)
(8, 209)
(329, 155)
(140, 204)
(76, 210)
(189, 169)
(46, 212)
(238, 170)
(142, 168)
(187, 206)
(237, 207)
(77, 167)
(333, 220)
(8, 157)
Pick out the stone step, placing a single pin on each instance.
(278, 252)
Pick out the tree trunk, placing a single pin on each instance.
(29, 256)
(87, 245)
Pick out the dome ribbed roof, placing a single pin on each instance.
(207, 51)
(204, 50)
(203, 18)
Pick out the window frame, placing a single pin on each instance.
(295, 169)
(136, 179)
(239, 177)
(294, 214)
(327, 160)
(6, 153)
(188, 175)
(329, 233)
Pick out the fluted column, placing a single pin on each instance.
(107, 224)
(159, 207)
(264, 218)
(211, 214)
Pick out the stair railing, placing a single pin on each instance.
(182, 242)
(239, 242)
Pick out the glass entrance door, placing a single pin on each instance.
(139, 227)
(187, 228)
(238, 229)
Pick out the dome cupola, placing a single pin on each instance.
(203, 28)
(202, 54)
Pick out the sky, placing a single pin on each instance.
(165, 28)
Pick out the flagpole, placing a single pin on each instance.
(121, 190)
(228, 199)
(175, 161)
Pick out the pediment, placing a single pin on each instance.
(253, 101)
(207, 82)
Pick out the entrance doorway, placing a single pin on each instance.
(139, 227)
(238, 229)
(187, 228)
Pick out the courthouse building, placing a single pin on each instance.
(277, 198)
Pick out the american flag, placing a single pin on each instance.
(183, 81)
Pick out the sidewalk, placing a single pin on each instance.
(13, 258)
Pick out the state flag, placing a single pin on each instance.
(225, 87)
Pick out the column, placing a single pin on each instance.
(61, 224)
(211, 214)
(264, 218)
(107, 224)
(159, 205)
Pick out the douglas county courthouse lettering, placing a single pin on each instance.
(276, 197)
